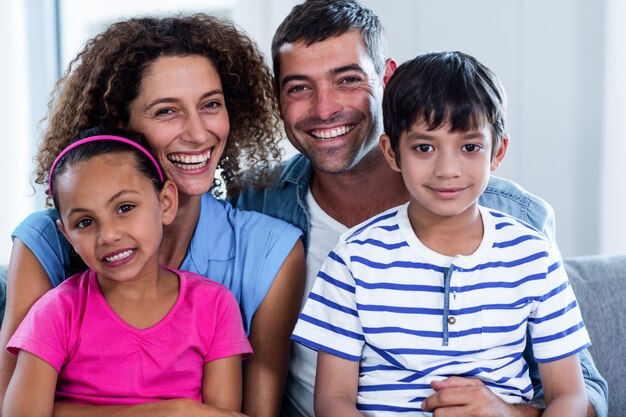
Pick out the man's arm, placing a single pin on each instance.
(336, 385)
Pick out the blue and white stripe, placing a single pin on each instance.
(381, 299)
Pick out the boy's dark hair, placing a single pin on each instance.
(317, 20)
(443, 88)
(89, 150)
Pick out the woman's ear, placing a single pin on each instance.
(498, 157)
(169, 202)
(390, 155)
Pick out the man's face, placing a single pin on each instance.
(330, 101)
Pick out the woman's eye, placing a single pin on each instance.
(213, 105)
(163, 112)
(83, 223)
(125, 208)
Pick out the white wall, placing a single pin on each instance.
(561, 61)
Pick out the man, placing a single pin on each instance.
(330, 69)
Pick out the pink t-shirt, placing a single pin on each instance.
(102, 360)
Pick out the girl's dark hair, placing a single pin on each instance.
(88, 150)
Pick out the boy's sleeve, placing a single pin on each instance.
(556, 326)
(330, 320)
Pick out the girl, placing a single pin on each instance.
(127, 330)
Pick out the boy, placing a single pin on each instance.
(441, 286)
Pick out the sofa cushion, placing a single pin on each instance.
(600, 286)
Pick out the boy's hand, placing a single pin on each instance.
(469, 397)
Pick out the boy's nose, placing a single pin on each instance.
(447, 166)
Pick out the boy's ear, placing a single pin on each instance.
(498, 157)
(390, 68)
(169, 202)
(390, 156)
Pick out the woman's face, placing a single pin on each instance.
(180, 109)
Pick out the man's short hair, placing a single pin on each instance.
(317, 20)
(442, 88)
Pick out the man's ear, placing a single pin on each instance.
(390, 155)
(169, 202)
(498, 157)
(390, 68)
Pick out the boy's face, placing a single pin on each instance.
(445, 172)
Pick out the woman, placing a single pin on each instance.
(198, 89)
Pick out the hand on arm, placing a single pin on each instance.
(31, 390)
(27, 281)
(469, 397)
(265, 372)
(336, 385)
(564, 388)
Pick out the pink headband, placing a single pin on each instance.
(99, 138)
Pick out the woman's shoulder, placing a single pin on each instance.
(221, 214)
(42, 221)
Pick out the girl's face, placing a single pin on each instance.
(113, 216)
(180, 109)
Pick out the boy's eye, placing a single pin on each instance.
(83, 223)
(125, 208)
(422, 147)
(471, 147)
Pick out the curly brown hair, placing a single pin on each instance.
(104, 78)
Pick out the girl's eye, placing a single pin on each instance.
(83, 223)
(423, 148)
(125, 208)
(471, 147)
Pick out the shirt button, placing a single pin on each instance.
(451, 320)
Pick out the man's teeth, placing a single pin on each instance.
(119, 256)
(331, 133)
(190, 161)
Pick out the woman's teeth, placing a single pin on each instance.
(185, 161)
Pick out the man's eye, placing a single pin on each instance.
(297, 89)
(350, 80)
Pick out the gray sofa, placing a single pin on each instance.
(600, 286)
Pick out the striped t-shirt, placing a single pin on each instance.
(411, 315)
